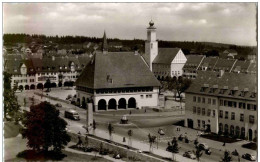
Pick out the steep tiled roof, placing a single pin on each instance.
(166, 55)
(229, 81)
(193, 61)
(13, 66)
(241, 66)
(224, 64)
(125, 70)
(209, 62)
(252, 68)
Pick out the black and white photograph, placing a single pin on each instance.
(130, 81)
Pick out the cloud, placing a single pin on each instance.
(225, 22)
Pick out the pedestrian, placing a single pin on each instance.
(238, 158)
(224, 144)
(145, 110)
(124, 139)
(130, 112)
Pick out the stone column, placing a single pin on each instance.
(106, 107)
(126, 106)
(116, 107)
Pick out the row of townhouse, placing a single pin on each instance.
(32, 73)
(222, 102)
(197, 63)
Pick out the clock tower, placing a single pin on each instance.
(151, 44)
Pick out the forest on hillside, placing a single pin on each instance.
(188, 47)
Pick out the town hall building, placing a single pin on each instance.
(117, 80)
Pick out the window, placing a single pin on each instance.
(198, 123)
(221, 102)
(198, 110)
(214, 113)
(232, 116)
(220, 114)
(234, 104)
(194, 98)
(226, 114)
(198, 99)
(214, 101)
(194, 110)
(242, 105)
(203, 124)
(203, 100)
(209, 100)
(229, 103)
(209, 112)
(251, 119)
(203, 111)
(242, 117)
(225, 103)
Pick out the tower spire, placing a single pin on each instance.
(104, 43)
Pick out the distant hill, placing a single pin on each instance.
(188, 47)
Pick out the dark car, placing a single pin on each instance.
(248, 156)
(58, 105)
(203, 146)
(170, 149)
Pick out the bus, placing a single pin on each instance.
(72, 114)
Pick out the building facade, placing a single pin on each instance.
(224, 103)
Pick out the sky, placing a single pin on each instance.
(232, 23)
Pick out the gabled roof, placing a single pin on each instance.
(193, 61)
(125, 70)
(231, 81)
(166, 55)
(224, 64)
(209, 62)
(230, 51)
(241, 66)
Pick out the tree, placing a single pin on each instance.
(11, 106)
(44, 128)
(130, 134)
(227, 157)
(47, 84)
(198, 153)
(182, 85)
(110, 130)
(151, 141)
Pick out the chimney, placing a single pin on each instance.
(53, 58)
(221, 73)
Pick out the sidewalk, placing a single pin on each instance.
(141, 146)
(92, 154)
(192, 135)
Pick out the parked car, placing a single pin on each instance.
(170, 149)
(71, 114)
(208, 151)
(161, 132)
(189, 154)
(58, 105)
(203, 146)
(248, 156)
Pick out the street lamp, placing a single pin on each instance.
(160, 132)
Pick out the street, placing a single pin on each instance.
(141, 124)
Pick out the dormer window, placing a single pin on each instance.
(31, 69)
(211, 90)
(15, 70)
(65, 67)
(242, 93)
(60, 67)
(253, 95)
(232, 92)
(222, 91)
